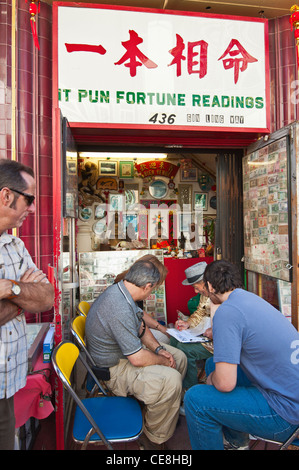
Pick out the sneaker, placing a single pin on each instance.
(228, 446)
(146, 444)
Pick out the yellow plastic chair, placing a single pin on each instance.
(98, 420)
(78, 331)
(83, 308)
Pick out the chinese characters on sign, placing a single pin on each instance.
(155, 168)
(127, 66)
(239, 64)
(238, 59)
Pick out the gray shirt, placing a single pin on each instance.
(112, 326)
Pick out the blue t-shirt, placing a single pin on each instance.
(249, 331)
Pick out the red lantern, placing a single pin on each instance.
(34, 9)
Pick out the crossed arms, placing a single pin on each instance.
(37, 295)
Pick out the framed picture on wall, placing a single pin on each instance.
(126, 169)
(131, 195)
(185, 220)
(107, 168)
(189, 174)
(131, 225)
(116, 202)
(185, 195)
(200, 201)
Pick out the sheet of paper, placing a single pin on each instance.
(192, 335)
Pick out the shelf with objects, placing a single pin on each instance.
(98, 270)
(146, 201)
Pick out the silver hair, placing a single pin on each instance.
(142, 273)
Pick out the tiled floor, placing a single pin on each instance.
(45, 439)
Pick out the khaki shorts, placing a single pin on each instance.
(158, 387)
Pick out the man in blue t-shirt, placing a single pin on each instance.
(253, 388)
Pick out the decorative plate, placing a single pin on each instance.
(99, 212)
(85, 213)
(213, 202)
(99, 227)
(158, 189)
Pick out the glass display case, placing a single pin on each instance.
(36, 333)
(97, 271)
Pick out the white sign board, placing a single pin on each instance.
(142, 68)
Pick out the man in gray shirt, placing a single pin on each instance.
(118, 338)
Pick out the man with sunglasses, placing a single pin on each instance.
(23, 287)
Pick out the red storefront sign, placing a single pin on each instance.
(156, 168)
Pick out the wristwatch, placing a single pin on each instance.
(15, 290)
(159, 349)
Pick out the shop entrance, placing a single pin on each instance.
(142, 198)
(210, 180)
(207, 182)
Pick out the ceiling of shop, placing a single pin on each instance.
(254, 8)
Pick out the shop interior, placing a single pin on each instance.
(130, 203)
(122, 199)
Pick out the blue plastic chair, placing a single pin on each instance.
(101, 419)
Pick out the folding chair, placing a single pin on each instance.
(98, 420)
(78, 331)
(293, 440)
(83, 308)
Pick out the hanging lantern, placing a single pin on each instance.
(34, 9)
(294, 21)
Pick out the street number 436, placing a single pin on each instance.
(162, 118)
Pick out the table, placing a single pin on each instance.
(33, 400)
(177, 295)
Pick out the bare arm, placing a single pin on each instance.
(8, 311)
(35, 298)
(147, 357)
(152, 323)
(224, 377)
(37, 295)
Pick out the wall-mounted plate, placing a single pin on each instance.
(158, 189)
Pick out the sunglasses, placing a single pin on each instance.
(29, 197)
